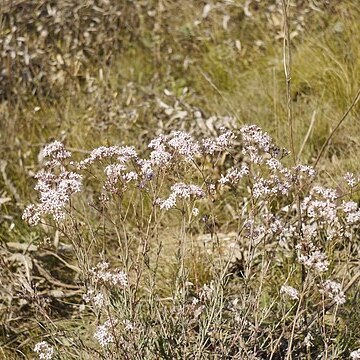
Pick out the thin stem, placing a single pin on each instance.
(352, 105)
(287, 70)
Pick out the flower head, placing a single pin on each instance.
(44, 350)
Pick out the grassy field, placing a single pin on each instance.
(121, 73)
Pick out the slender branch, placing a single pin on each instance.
(287, 70)
(352, 105)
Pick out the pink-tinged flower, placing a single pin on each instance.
(122, 154)
(102, 273)
(312, 257)
(104, 333)
(180, 190)
(334, 290)
(234, 175)
(184, 145)
(55, 192)
(56, 151)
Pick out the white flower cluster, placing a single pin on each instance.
(116, 173)
(97, 298)
(322, 209)
(220, 143)
(289, 291)
(259, 149)
(159, 156)
(255, 141)
(351, 180)
(55, 185)
(355, 355)
(184, 145)
(55, 192)
(352, 212)
(320, 204)
(122, 153)
(100, 273)
(44, 350)
(334, 290)
(56, 152)
(104, 333)
(183, 191)
(312, 257)
(305, 171)
(234, 175)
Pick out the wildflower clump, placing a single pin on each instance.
(55, 185)
(262, 221)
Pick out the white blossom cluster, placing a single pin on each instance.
(305, 171)
(320, 204)
(322, 209)
(55, 185)
(183, 191)
(116, 173)
(122, 154)
(255, 142)
(104, 333)
(97, 298)
(355, 355)
(274, 185)
(312, 257)
(220, 143)
(260, 150)
(44, 350)
(56, 152)
(289, 291)
(351, 179)
(334, 290)
(352, 212)
(101, 274)
(234, 175)
(184, 145)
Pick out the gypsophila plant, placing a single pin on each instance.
(269, 290)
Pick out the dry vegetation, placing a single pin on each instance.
(180, 285)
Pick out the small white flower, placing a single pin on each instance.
(195, 211)
(44, 350)
(195, 301)
(350, 179)
(334, 290)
